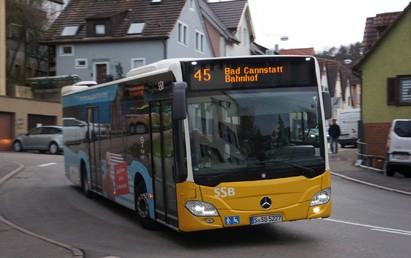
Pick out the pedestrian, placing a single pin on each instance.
(334, 132)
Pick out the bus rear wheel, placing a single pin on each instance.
(84, 187)
(142, 207)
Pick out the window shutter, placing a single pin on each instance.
(392, 93)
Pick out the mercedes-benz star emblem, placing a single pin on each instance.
(265, 202)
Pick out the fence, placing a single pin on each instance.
(367, 160)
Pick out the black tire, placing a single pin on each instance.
(86, 191)
(140, 128)
(142, 207)
(388, 171)
(53, 148)
(17, 146)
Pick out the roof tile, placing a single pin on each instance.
(229, 12)
(159, 19)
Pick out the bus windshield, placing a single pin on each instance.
(239, 135)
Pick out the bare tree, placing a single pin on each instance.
(352, 52)
(26, 22)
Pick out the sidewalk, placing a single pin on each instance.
(19, 242)
(343, 165)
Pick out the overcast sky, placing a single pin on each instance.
(321, 24)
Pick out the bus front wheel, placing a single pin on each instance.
(84, 180)
(142, 207)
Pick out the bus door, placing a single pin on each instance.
(163, 162)
(94, 146)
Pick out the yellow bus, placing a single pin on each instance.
(227, 142)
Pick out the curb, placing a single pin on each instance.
(77, 253)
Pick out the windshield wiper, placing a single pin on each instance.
(231, 172)
(309, 171)
(260, 166)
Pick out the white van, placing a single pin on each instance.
(348, 122)
(398, 158)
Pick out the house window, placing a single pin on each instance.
(182, 33)
(136, 28)
(137, 62)
(70, 30)
(66, 50)
(405, 90)
(100, 29)
(81, 63)
(14, 30)
(399, 90)
(199, 41)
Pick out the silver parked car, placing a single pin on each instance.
(43, 138)
(398, 158)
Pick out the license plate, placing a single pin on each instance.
(266, 219)
(400, 157)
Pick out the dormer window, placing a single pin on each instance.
(100, 29)
(104, 24)
(70, 30)
(136, 28)
(156, 1)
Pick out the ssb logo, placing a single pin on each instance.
(224, 191)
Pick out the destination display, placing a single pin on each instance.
(261, 72)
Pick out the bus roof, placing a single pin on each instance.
(172, 64)
(147, 70)
(167, 63)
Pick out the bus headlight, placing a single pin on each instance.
(198, 208)
(321, 197)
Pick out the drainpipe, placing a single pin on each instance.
(361, 146)
(165, 49)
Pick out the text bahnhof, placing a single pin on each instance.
(248, 74)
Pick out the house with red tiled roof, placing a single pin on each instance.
(102, 40)
(386, 80)
(298, 51)
(375, 26)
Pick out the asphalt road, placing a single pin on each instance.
(366, 222)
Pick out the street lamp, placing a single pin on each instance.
(282, 38)
(276, 46)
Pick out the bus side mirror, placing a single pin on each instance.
(179, 101)
(327, 104)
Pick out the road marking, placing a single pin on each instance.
(47, 164)
(375, 228)
(394, 231)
